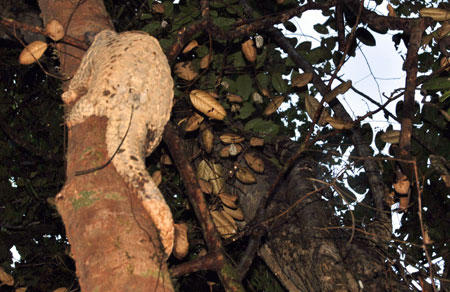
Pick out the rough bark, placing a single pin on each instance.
(110, 234)
(302, 247)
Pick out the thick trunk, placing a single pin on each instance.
(303, 248)
(113, 242)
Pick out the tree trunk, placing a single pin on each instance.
(114, 243)
(303, 248)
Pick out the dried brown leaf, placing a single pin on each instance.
(185, 70)
(224, 226)
(436, 13)
(391, 11)
(302, 79)
(391, 136)
(205, 186)
(208, 140)
(205, 61)
(230, 138)
(55, 30)
(255, 163)
(228, 200)
(181, 243)
(339, 124)
(273, 105)
(207, 104)
(249, 51)
(157, 177)
(32, 52)
(5, 278)
(312, 105)
(193, 123)
(245, 175)
(235, 213)
(256, 141)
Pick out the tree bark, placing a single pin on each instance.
(110, 233)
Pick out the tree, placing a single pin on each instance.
(270, 196)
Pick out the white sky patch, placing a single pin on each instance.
(16, 256)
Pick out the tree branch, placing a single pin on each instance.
(200, 206)
(380, 22)
(371, 168)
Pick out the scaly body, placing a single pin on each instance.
(121, 73)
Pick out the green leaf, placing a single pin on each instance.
(444, 96)
(279, 83)
(358, 183)
(246, 110)
(365, 37)
(347, 194)
(290, 26)
(235, 9)
(168, 8)
(263, 80)
(152, 27)
(231, 84)
(165, 43)
(216, 4)
(304, 46)
(329, 43)
(265, 127)
(379, 29)
(20, 182)
(223, 22)
(244, 86)
(145, 16)
(437, 83)
(261, 58)
(320, 28)
(202, 51)
(238, 59)
(318, 55)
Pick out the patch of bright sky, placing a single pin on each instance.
(374, 70)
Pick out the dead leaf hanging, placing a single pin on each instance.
(208, 139)
(55, 30)
(249, 51)
(181, 243)
(230, 138)
(339, 124)
(193, 123)
(32, 52)
(207, 104)
(340, 89)
(255, 163)
(225, 226)
(436, 13)
(273, 105)
(192, 44)
(256, 141)
(301, 79)
(391, 10)
(312, 105)
(157, 177)
(185, 70)
(205, 61)
(235, 213)
(245, 175)
(228, 200)
(5, 278)
(391, 136)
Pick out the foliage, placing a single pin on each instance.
(32, 150)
